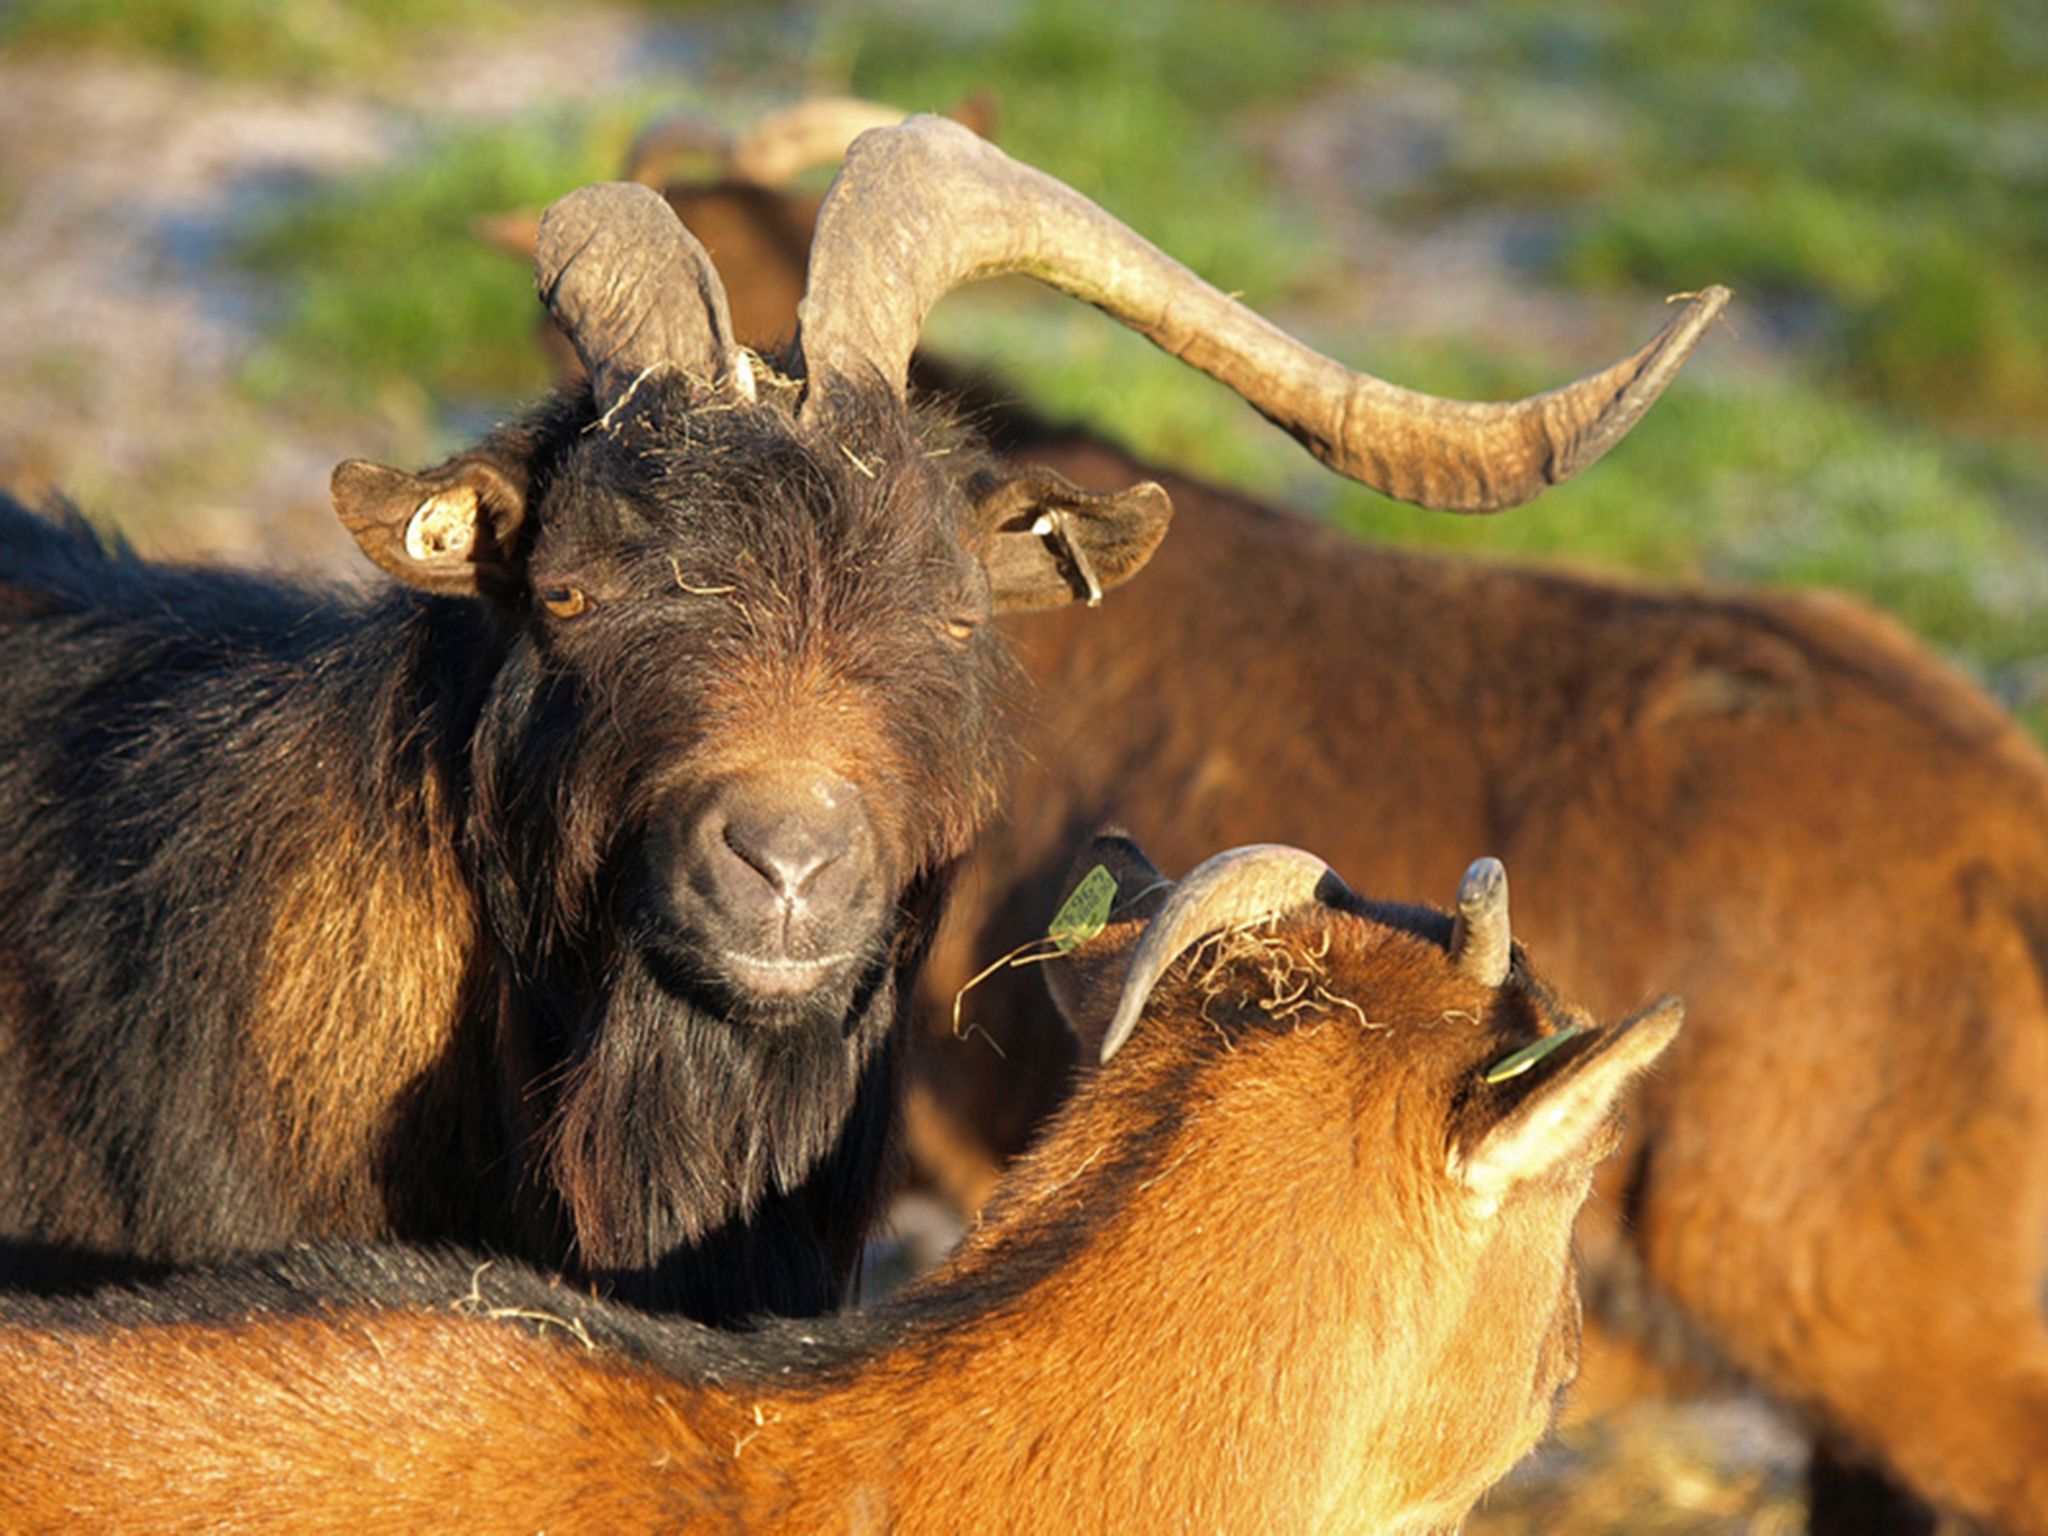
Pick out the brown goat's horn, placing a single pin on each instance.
(1481, 945)
(1225, 891)
(936, 207)
(634, 291)
(801, 137)
(681, 135)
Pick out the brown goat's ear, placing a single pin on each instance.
(1046, 542)
(516, 234)
(1537, 1109)
(452, 529)
(979, 110)
(1088, 979)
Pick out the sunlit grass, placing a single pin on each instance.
(1877, 168)
(385, 278)
(258, 39)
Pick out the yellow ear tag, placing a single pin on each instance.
(1521, 1061)
(1085, 913)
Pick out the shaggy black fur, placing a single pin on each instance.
(184, 754)
(1021, 1244)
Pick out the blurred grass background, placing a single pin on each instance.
(1870, 175)
(1478, 197)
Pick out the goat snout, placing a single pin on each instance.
(788, 862)
(793, 848)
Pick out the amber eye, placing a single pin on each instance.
(961, 629)
(564, 602)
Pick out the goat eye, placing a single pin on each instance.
(961, 628)
(564, 602)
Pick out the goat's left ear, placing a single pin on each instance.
(1047, 542)
(1527, 1120)
(453, 529)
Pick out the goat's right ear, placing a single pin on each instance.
(1047, 542)
(453, 529)
(1087, 981)
(1526, 1120)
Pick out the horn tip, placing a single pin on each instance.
(1485, 886)
(1120, 1027)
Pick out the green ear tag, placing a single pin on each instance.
(1085, 913)
(1527, 1057)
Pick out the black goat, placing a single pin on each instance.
(564, 905)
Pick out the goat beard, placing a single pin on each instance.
(674, 1122)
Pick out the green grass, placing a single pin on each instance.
(386, 283)
(1874, 172)
(1871, 177)
(292, 40)
(1870, 173)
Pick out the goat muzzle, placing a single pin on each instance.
(776, 876)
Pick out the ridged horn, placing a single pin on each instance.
(1481, 944)
(1227, 890)
(920, 208)
(634, 291)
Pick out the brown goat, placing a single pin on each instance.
(1297, 1258)
(1840, 1190)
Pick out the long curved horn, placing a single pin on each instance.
(1481, 945)
(1224, 891)
(933, 206)
(634, 291)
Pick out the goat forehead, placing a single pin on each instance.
(807, 624)
(1411, 1021)
(1402, 952)
(1397, 972)
(887, 547)
(1338, 998)
(670, 461)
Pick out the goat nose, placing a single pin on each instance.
(787, 838)
(786, 849)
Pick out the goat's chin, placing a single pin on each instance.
(757, 990)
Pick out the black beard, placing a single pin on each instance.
(707, 1162)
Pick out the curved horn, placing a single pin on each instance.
(1224, 891)
(1481, 945)
(940, 207)
(634, 291)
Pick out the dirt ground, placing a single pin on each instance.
(122, 337)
